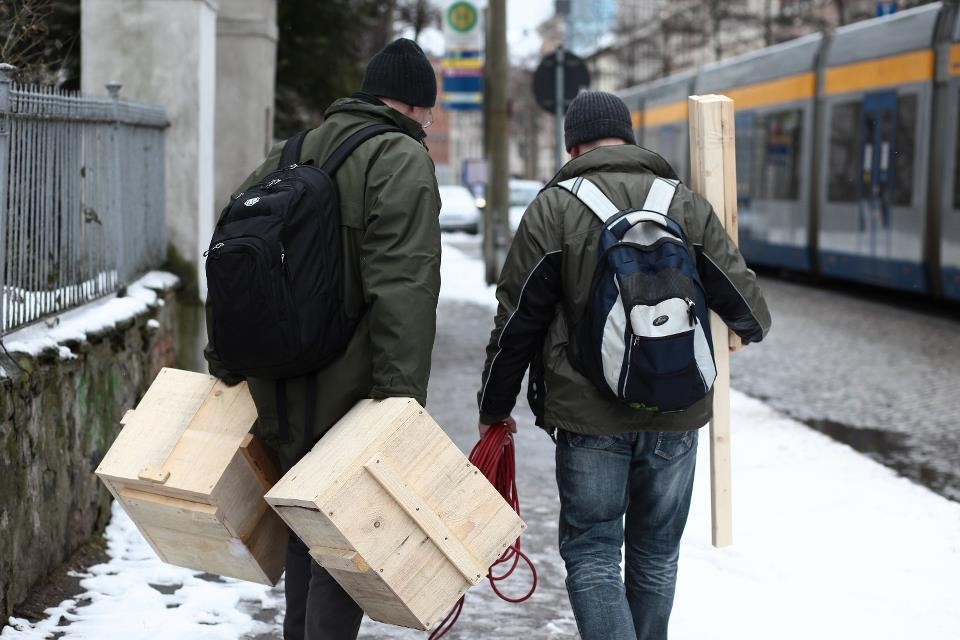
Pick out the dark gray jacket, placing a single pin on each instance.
(546, 282)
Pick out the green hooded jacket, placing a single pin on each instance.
(546, 282)
(390, 231)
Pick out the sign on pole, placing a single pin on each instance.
(463, 60)
(558, 79)
(575, 77)
(461, 26)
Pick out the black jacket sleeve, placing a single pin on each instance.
(528, 292)
(731, 288)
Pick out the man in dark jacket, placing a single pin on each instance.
(390, 233)
(614, 461)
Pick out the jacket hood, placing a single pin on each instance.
(367, 110)
(621, 158)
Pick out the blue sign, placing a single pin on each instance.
(886, 8)
(463, 81)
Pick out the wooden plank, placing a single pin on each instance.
(423, 515)
(314, 528)
(175, 397)
(340, 559)
(192, 518)
(203, 452)
(377, 599)
(257, 457)
(713, 176)
(152, 474)
(341, 452)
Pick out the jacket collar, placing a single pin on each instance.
(624, 158)
(363, 106)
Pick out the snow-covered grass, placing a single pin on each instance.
(98, 315)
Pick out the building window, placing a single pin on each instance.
(843, 169)
(780, 138)
(905, 151)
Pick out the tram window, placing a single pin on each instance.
(745, 135)
(956, 169)
(668, 144)
(844, 163)
(905, 143)
(779, 168)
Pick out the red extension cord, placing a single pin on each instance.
(494, 456)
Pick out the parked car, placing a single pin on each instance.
(522, 193)
(458, 209)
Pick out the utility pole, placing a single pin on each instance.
(559, 111)
(497, 138)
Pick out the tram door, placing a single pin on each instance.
(878, 135)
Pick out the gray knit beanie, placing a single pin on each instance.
(401, 71)
(594, 115)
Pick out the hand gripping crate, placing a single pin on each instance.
(395, 512)
(192, 478)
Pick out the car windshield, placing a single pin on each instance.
(522, 196)
(456, 198)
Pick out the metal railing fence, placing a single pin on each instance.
(81, 197)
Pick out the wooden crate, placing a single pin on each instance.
(397, 514)
(192, 478)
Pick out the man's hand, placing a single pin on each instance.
(735, 343)
(509, 421)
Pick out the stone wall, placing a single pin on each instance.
(57, 419)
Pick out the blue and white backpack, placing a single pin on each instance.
(645, 336)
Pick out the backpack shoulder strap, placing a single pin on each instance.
(349, 145)
(660, 195)
(291, 149)
(591, 196)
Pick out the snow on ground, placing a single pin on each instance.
(462, 276)
(76, 324)
(135, 596)
(827, 544)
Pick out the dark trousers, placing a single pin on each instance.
(317, 607)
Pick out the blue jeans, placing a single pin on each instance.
(647, 477)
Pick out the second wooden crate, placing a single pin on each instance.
(398, 515)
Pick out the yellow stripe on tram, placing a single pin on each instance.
(764, 94)
(955, 60)
(666, 114)
(906, 68)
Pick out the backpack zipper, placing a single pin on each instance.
(215, 247)
(691, 311)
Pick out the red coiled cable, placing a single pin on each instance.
(494, 456)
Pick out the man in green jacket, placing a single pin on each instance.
(390, 233)
(616, 463)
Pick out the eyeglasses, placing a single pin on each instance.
(426, 125)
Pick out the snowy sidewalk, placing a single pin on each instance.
(827, 543)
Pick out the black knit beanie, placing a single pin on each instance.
(594, 115)
(401, 71)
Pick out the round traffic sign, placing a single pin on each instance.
(576, 76)
(462, 16)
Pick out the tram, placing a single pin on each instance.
(848, 148)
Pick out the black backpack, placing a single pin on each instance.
(275, 268)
